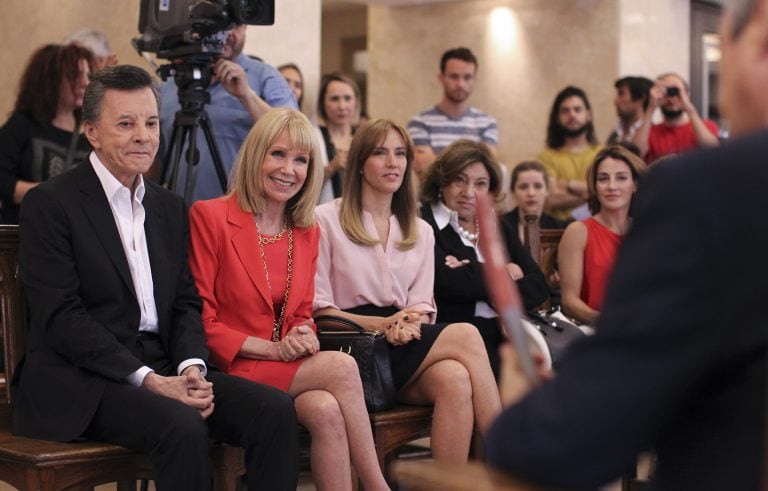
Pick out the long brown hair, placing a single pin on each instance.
(46, 71)
(404, 203)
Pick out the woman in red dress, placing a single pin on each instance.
(253, 256)
(588, 248)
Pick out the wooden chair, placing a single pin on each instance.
(542, 245)
(31, 464)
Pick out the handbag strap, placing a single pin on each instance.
(337, 323)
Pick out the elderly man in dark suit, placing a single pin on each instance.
(117, 351)
(679, 360)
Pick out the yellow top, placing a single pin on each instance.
(564, 164)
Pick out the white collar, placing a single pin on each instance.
(444, 215)
(109, 182)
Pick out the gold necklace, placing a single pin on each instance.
(277, 323)
(274, 238)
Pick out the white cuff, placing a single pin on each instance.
(192, 361)
(137, 377)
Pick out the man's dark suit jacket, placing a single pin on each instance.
(84, 313)
(679, 359)
(458, 290)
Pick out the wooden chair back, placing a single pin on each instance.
(13, 306)
(542, 244)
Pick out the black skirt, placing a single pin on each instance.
(405, 359)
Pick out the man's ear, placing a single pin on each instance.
(92, 133)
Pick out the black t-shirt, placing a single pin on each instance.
(33, 151)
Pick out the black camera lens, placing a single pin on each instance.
(673, 91)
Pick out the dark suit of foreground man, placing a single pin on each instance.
(117, 351)
(679, 362)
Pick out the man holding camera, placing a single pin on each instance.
(682, 128)
(242, 90)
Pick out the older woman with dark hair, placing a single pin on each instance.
(42, 137)
(254, 256)
(462, 172)
(375, 268)
(588, 248)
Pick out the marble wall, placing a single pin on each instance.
(25, 25)
(527, 50)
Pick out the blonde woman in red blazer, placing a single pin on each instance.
(253, 255)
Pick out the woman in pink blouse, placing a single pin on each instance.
(376, 267)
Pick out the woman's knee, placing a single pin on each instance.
(448, 380)
(339, 368)
(466, 336)
(319, 410)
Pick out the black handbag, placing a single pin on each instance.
(370, 351)
(558, 333)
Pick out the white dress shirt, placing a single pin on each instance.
(129, 214)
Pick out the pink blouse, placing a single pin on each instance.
(350, 275)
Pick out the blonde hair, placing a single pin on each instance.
(246, 183)
(404, 204)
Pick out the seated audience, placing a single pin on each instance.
(530, 189)
(254, 256)
(376, 268)
(295, 80)
(588, 248)
(116, 349)
(461, 173)
(42, 137)
(338, 104)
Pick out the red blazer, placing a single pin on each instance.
(227, 266)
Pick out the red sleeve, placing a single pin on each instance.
(224, 342)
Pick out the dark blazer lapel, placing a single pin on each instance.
(245, 240)
(156, 246)
(447, 238)
(99, 213)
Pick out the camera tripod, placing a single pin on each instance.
(193, 77)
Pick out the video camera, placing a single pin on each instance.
(191, 34)
(174, 29)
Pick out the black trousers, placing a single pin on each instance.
(259, 418)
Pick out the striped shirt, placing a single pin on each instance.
(436, 129)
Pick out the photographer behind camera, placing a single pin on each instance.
(682, 128)
(242, 90)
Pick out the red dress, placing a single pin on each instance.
(599, 256)
(237, 302)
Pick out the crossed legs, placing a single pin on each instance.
(456, 378)
(329, 403)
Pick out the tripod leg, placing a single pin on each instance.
(193, 159)
(180, 132)
(172, 155)
(205, 123)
